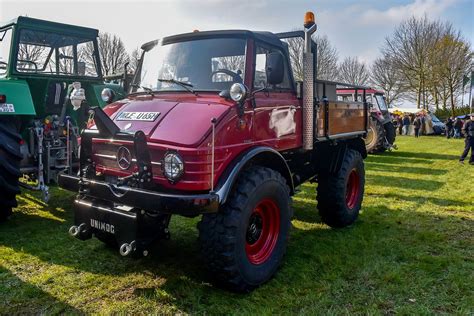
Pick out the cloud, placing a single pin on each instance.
(397, 14)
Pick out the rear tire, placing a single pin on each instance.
(374, 142)
(340, 195)
(10, 157)
(244, 243)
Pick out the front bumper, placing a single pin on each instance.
(181, 204)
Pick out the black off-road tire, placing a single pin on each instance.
(340, 195)
(10, 157)
(374, 142)
(230, 239)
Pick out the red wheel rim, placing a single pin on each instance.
(352, 189)
(262, 231)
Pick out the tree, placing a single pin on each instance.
(453, 62)
(112, 53)
(326, 62)
(385, 76)
(409, 48)
(134, 60)
(352, 71)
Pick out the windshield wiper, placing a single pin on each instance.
(147, 90)
(185, 85)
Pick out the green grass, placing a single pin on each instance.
(410, 252)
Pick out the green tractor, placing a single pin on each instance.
(50, 73)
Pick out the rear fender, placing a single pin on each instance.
(19, 101)
(263, 156)
(329, 156)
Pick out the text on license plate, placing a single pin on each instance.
(7, 108)
(137, 116)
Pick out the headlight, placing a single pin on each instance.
(173, 166)
(238, 92)
(107, 95)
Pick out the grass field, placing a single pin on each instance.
(410, 252)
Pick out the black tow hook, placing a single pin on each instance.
(80, 232)
(131, 249)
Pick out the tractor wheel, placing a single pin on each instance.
(390, 133)
(244, 243)
(10, 157)
(340, 195)
(374, 142)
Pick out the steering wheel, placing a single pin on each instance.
(235, 75)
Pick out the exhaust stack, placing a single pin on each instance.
(308, 82)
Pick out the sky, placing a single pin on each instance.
(355, 28)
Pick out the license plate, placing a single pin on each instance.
(7, 108)
(138, 116)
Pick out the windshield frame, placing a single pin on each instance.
(248, 57)
(15, 48)
(4, 30)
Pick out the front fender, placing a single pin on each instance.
(264, 156)
(19, 99)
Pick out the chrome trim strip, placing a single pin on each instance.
(106, 156)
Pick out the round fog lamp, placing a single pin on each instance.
(238, 92)
(173, 166)
(107, 95)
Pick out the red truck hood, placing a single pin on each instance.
(179, 121)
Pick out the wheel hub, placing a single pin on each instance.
(263, 230)
(352, 189)
(254, 229)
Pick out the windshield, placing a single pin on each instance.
(381, 102)
(206, 64)
(53, 53)
(5, 43)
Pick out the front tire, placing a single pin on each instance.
(10, 157)
(244, 243)
(340, 195)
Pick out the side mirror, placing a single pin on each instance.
(274, 68)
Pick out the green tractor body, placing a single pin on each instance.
(45, 69)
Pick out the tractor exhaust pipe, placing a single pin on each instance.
(308, 82)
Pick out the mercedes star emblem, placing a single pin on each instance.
(124, 158)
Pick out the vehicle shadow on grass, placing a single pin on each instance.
(376, 166)
(14, 291)
(423, 155)
(404, 183)
(397, 160)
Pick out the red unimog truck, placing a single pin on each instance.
(220, 129)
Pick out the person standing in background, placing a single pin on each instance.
(417, 125)
(406, 124)
(457, 126)
(399, 124)
(449, 127)
(469, 141)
